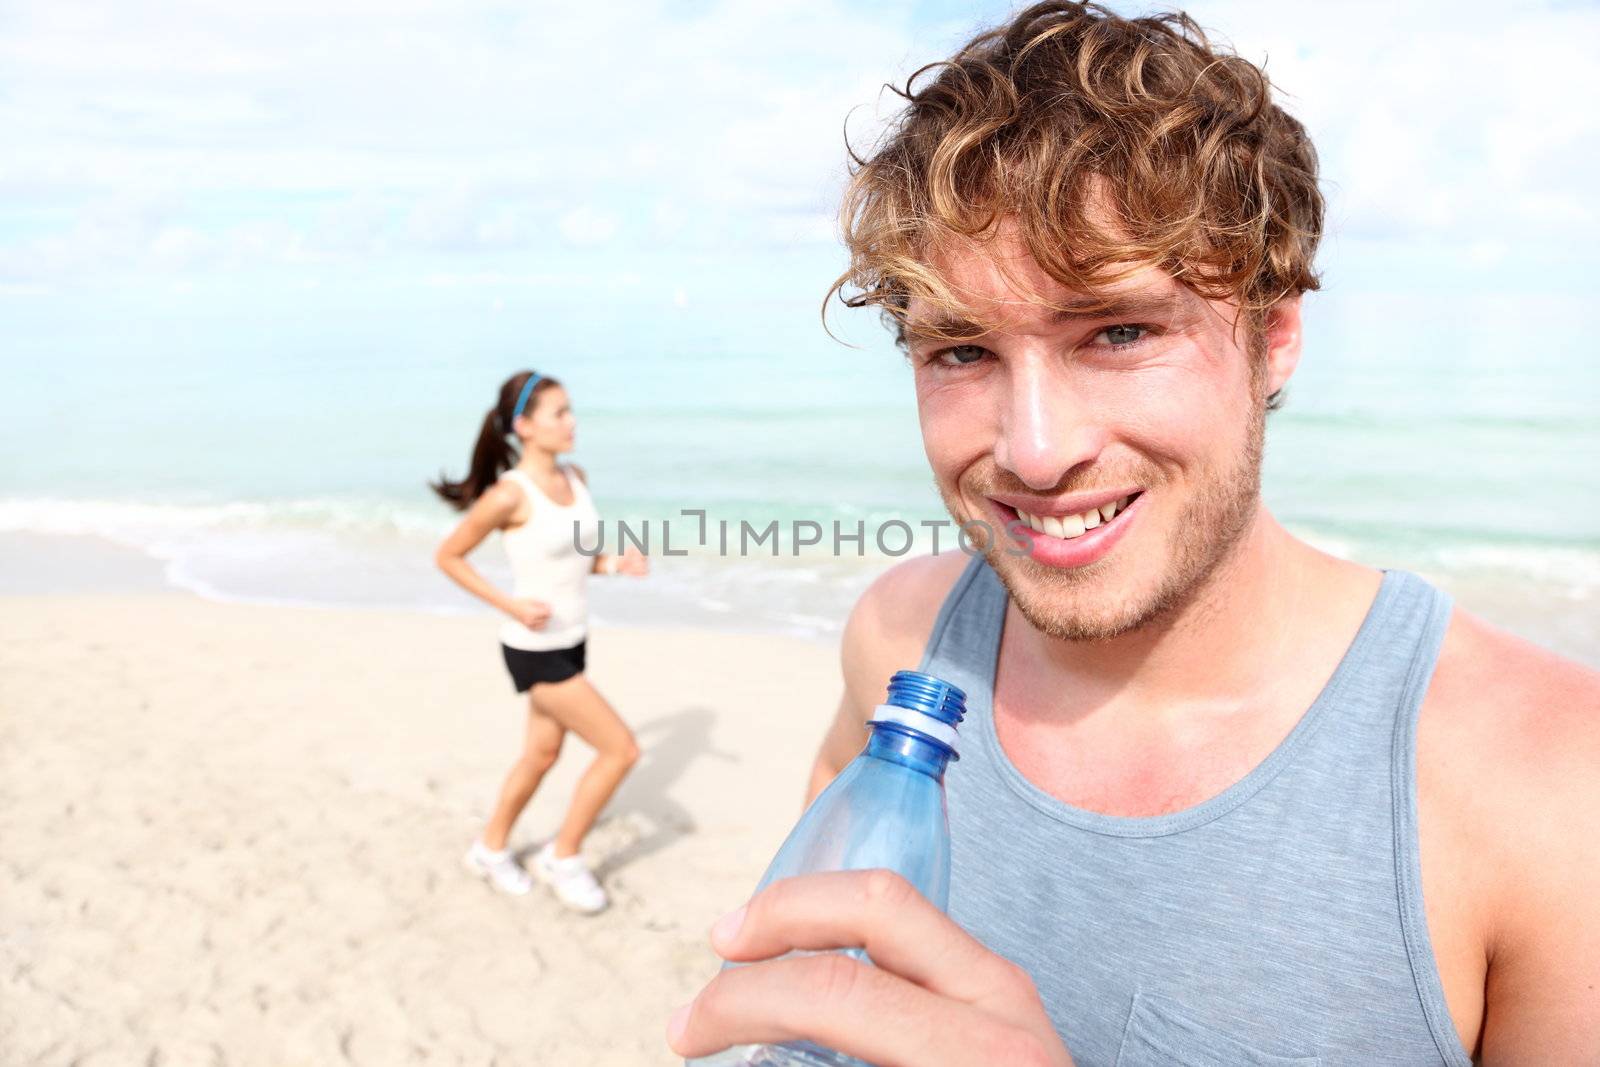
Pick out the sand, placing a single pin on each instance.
(233, 834)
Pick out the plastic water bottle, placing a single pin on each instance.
(886, 809)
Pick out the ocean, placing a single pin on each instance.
(277, 450)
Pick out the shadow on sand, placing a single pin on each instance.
(643, 815)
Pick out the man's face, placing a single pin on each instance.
(1060, 421)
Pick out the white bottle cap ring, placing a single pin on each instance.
(910, 718)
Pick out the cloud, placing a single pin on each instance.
(373, 129)
(587, 225)
(191, 138)
(1449, 124)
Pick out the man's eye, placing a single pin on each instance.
(1119, 336)
(960, 355)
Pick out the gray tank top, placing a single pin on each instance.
(1279, 922)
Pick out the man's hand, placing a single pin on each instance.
(936, 996)
(633, 562)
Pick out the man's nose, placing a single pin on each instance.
(1047, 428)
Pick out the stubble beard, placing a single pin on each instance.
(1080, 604)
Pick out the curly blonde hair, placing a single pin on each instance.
(1110, 144)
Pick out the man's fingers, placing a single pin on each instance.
(884, 914)
(849, 1007)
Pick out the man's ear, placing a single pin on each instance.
(1282, 338)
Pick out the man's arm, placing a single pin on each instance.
(1543, 990)
(953, 1002)
(886, 632)
(1509, 794)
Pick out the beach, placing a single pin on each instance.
(267, 273)
(233, 834)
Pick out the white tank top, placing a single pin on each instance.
(546, 565)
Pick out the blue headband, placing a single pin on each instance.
(527, 391)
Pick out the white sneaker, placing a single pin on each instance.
(571, 879)
(505, 873)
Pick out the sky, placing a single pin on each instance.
(669, 154)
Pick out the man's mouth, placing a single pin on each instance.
(1076, 524)
(1073, 538)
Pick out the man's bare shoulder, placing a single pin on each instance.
(1499, 702)
(1508, 764)
(1510, 730)
(893, 618)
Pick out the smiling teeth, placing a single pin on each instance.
(1070, 526)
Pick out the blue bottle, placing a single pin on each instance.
(886, 809)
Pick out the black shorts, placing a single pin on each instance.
(545, 665)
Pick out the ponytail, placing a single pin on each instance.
(494, 453)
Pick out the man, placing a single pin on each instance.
(1223, 799)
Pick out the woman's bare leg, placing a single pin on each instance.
(541, 746)
(579, 707)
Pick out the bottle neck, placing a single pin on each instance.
(900, 744)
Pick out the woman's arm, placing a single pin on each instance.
(630, 562)
(491, 511)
